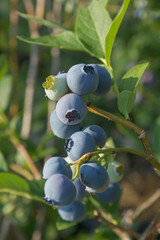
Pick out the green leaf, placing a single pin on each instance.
(109, 41)
(3, 65)
(126, 100)
(92, 25)
(41, 21)
(127, 88)
(66, 40)
(14, 184)
(131, 79)
(5, 91)
(62, 225)
(3, 164)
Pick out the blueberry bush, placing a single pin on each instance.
(74, 174)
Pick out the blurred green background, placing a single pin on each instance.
(25, 110)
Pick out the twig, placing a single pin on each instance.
(29, 92)
(119, 230)
(146, 205)
(21, 148)
(109, 151)
(21, 171)
(33, 67)
(142, 135)
(118, 150)
(116, 228)
(153, 230)
(132, 215)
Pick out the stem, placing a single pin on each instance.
(21, 171)
(21, 148)
(86, 157)
(33, 67)
(79, 162)
(119, 230)
(114, 84)
(142, 135)
(153, 230)
(115, 118)
(116, 150)
(145, 206)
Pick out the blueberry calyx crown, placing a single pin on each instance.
(119, 169)
(88, 69)
(50, 202)
(50, 82)
(47, 200)
(72, 115)
(69, 144)
(60, 72)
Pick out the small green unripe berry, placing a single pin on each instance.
(115, 171)
(55, 86)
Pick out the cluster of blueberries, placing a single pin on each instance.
(67, 90)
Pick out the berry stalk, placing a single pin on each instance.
(142, 135)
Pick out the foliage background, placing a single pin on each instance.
(138, 39)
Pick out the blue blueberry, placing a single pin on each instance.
(80, 189)
(56, 165)
(93, 175)
(60, 129)
(105, 80)
(78, 144)
(82, 79)
(56, 86)
(71, 109)
(115, 171)
(74, 212)
(111, 194)
(59, 190)
(93, 191)
(97, 133)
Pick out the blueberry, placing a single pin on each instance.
(74, 212)
(61, 129)
(82, 79)
(115, 171)
(93, 191)
(93, 175)
(78, 144)
(111, 194)
(97, 133)
(71, 109)
(59, 190)
(80, 189)
(56, 165)
(56, 86)
(105, 80)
